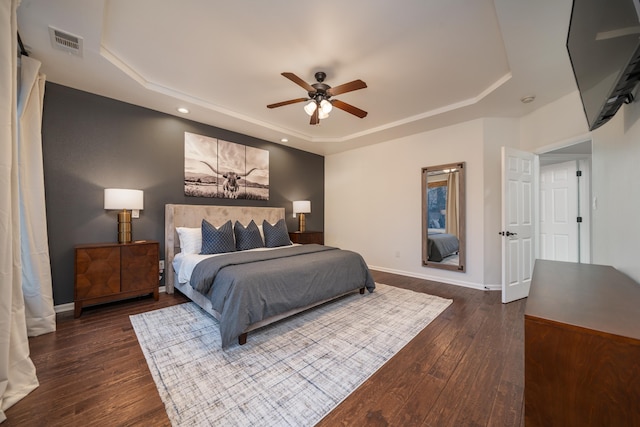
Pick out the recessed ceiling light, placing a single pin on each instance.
(528, 99)
(284, 140)
(183, 110)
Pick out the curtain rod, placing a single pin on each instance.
(23, 51)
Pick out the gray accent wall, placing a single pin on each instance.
(91, 143)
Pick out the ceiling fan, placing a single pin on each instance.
(320, 95)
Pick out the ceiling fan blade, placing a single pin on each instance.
(297, 80)
(315, 119)
(349, 108)
(291, 101)
(347, 87)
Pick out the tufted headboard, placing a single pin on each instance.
(192, 216)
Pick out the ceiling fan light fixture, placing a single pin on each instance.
(326, 106)
(318, 104)
(310, 107)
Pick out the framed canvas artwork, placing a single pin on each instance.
(223, 169)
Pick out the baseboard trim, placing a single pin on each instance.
(448, 281)
(64, 308)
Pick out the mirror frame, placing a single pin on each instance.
(462, 218)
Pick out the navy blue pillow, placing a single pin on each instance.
(247, 237)
(275, 235)
(217, 240)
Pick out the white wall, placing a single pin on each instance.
(616, 173)
(373, 200)
(498, 133)
(373, 194)
(560, 121)
(614, 176)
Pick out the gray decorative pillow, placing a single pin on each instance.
(247, 237)
(217, 240)
(275, 235)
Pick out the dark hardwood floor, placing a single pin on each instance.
(465, 369)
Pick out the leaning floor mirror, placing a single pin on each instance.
(443, 216)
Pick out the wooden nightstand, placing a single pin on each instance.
(108, 272)
(306, 237)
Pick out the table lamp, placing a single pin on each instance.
(301, 207)
(120, 198)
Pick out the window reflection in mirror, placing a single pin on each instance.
(443, 216)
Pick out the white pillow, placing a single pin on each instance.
(190, 239)
(261, 233)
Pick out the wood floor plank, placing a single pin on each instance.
(470, 310)
(465, 369)
(440, 369)
(395, 384)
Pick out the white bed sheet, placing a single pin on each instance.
(183, 264)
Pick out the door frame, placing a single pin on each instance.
(584, 192)
(583, 189)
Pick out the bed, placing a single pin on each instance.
(441, 245)
(246, 290)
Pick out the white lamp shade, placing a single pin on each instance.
(301, 206)
(120, 198)
(310, 107)
(326, 106)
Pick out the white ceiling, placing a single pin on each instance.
(427, 63)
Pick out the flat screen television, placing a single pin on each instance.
(604, 48)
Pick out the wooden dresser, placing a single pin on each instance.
(108, 272)
(582, 347)
(306, 237)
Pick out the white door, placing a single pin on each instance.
(559, 212)
(519, 175)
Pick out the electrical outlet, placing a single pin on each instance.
(161, 265)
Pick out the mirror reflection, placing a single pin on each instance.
(443, 216)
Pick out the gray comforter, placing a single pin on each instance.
(247, 287)
(440, 246)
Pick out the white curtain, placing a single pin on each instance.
(36, 266)
(453, 214)
(17, 372)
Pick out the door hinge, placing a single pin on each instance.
(579, 219)
(578, 173)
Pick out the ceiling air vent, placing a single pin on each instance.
(68, 42)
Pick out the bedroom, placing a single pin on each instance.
(126, 145)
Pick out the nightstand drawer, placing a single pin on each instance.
(97, 272)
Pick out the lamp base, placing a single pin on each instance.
(301, 222)
(124, 226)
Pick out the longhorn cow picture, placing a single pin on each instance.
(223, 169)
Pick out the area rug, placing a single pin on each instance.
(291, 373)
